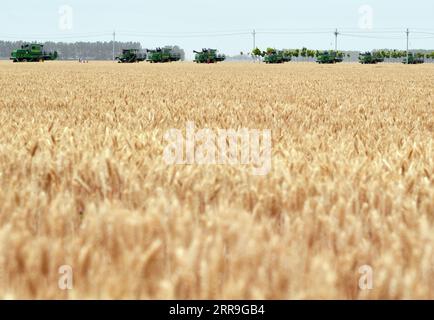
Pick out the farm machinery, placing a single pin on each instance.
(275, 56)
(412, 59)
(370, 58)
(32, 52)
(131, 56)
(162, 55)
(329, 57)
(208, 56)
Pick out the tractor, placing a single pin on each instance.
(412, 59)
(32, 52)
(163, 55)
(329, 57)
(131, 56)
(208, 56)
(274, 56)
(370, 58)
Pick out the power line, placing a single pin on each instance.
(421, 38)
(297, 31)
(374, 32)
(369, 37)
(186, 32)
(420, 32)
(56, 37)
(161, 35)
(293, 32)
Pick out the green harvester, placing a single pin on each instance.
(370, 58)
(329, 57)
(131, 56)
(274, 57)
(32, 52)
(208, 56)
(412, 59)
(163, 55)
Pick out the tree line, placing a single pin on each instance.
(308, 53)
(296, 53)
(80, 50)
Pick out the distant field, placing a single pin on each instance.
(83, 182)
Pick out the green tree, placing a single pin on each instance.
(256, 52)
(420, 55)
(288, 53)
(303, 52)
(311, 53)
(388, 53)
(270, 50)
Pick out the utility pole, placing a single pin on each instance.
(408, 35)
(114, 40)
(336, 40)
(254, 44)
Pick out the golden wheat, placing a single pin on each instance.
(83, 182)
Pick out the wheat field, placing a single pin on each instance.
(83, 183)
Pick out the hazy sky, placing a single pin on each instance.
(157, 23)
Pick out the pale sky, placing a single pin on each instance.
(194, 24)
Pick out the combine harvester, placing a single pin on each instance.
(370, 58)
(208, 56)
(329, 57)
(131, 56)
(163, 55)
(32, 52)
(413, 60)
(275, 57)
